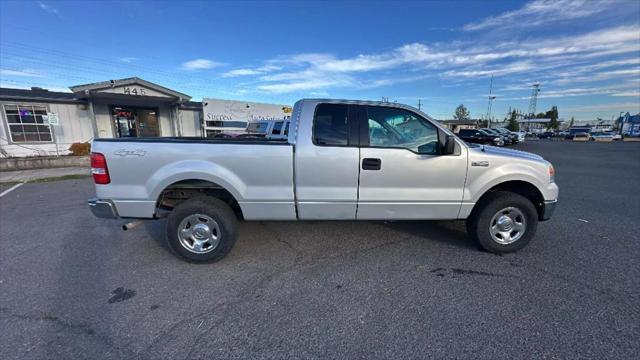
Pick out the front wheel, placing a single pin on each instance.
(503, 222)
(201, 229)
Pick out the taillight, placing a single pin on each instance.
(99, 169)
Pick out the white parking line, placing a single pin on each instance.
(11, 189)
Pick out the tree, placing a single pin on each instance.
(513, 123)
(571, 123)
(553, 115)
(461, 113)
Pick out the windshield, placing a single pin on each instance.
(259, 127)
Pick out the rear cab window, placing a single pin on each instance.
(330, 125)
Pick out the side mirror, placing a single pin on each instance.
(449, 145)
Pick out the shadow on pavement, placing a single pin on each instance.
(446, 232)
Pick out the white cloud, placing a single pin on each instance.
(242, 72)
(598, 76)
(516, 67)
(628, 93)
(298, 86)
(269, 67)
(21, 73)
(457, 61)
(200, 64)
(615, 108)
(49, 8)
(539, 12)
(128, 59)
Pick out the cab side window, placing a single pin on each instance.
(330, 125)
(399, 128)
(277, 128)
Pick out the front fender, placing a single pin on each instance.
(480, 180)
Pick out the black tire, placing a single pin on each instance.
(478, 223)
(215, 209)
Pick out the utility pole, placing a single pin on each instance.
(491, 98)
(419, 105)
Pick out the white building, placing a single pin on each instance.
(40, 122)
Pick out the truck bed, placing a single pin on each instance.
(258, 173)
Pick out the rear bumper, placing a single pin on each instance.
(102, 208)
(548, 209)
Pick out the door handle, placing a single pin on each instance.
(371, 164)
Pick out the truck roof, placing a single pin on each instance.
(370, 102)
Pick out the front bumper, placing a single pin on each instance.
(548, 207)
(103, 208)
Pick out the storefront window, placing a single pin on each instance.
(27, 124)
(135, 122)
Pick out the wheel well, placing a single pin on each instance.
(523, 188)
(183, 190)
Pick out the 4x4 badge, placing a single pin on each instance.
(123, 152)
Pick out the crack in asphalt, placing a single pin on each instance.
(78, 329)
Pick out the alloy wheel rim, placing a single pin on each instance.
(507, 225)
(199, 233)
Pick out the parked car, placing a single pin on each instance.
(513, 137)
(600, 136)
(521, 136)
(343, 160)
(575, 130)
(582, 136)
(505, 138)
(546, 135)
(478, 136)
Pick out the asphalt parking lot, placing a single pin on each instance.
(73, 286)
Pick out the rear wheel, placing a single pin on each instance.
(201, 229)
(503, 222)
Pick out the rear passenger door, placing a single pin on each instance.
(326, 163)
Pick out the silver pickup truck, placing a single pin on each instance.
(343, 160)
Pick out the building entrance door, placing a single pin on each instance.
(135, 122)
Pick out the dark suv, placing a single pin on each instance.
(480, 136)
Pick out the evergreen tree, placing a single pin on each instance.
(462, 113)
(513, 123)
(553, 115)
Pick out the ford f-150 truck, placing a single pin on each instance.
(342, 160)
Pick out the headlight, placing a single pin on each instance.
(552, 173)
(496, 140)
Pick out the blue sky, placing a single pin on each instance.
(584, 53)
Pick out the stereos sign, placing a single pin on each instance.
(229, 110)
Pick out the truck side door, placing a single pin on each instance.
(326, 162)
(402, 173)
